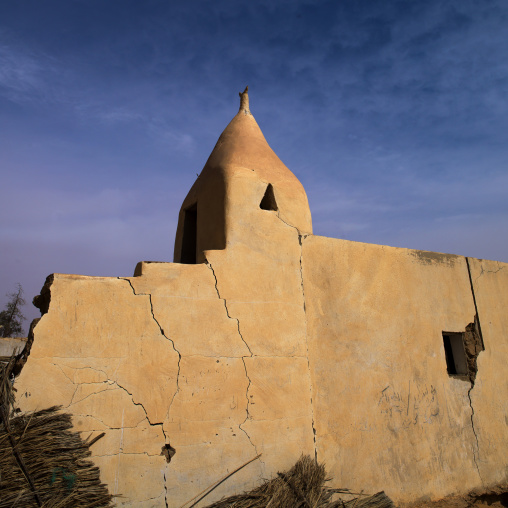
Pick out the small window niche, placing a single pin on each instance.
(455, 353)
(190, 235)
(268, 202)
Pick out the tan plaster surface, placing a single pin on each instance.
(277, 343)
(220, 360)
(99, 353)
(388, 416)
(162, 358)
(225, 366)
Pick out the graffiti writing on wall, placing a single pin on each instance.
(412, 406)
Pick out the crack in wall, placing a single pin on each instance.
(301, 237)
(121, 452)
(83, 358)
(287, 223)
(86, 367)
(73, 395)
(482, 270)
(314, 433)
(476, 453)
(73, 402)
(226, 307)
(474, 300)
(44, 300)
(150, 498)
(78, 415)
(235, 357)
(165, 488)
(247, 416)
(139, 404)
(165, 336)
(111, 383)
(78, 384)
(56, 365)
(166, 439)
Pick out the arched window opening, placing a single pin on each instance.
(268, 202)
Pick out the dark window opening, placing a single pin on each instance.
(190, 235)
(268, 202)
(455, 353)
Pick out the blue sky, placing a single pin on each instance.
(394, 116)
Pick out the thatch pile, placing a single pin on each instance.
(303, 486)
(42, 462)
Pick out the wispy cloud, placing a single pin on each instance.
(24, 73)
(119, 115)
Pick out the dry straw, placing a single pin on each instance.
(303, 486)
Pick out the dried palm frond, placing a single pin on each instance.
(303, 486)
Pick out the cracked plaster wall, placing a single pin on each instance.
(388, 415)
(278, 340)
(209, 358)
(259, 277)
(98, 352)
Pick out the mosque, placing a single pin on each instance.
(264, 340)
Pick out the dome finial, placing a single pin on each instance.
(244, 101)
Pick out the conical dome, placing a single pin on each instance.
(241, 173)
